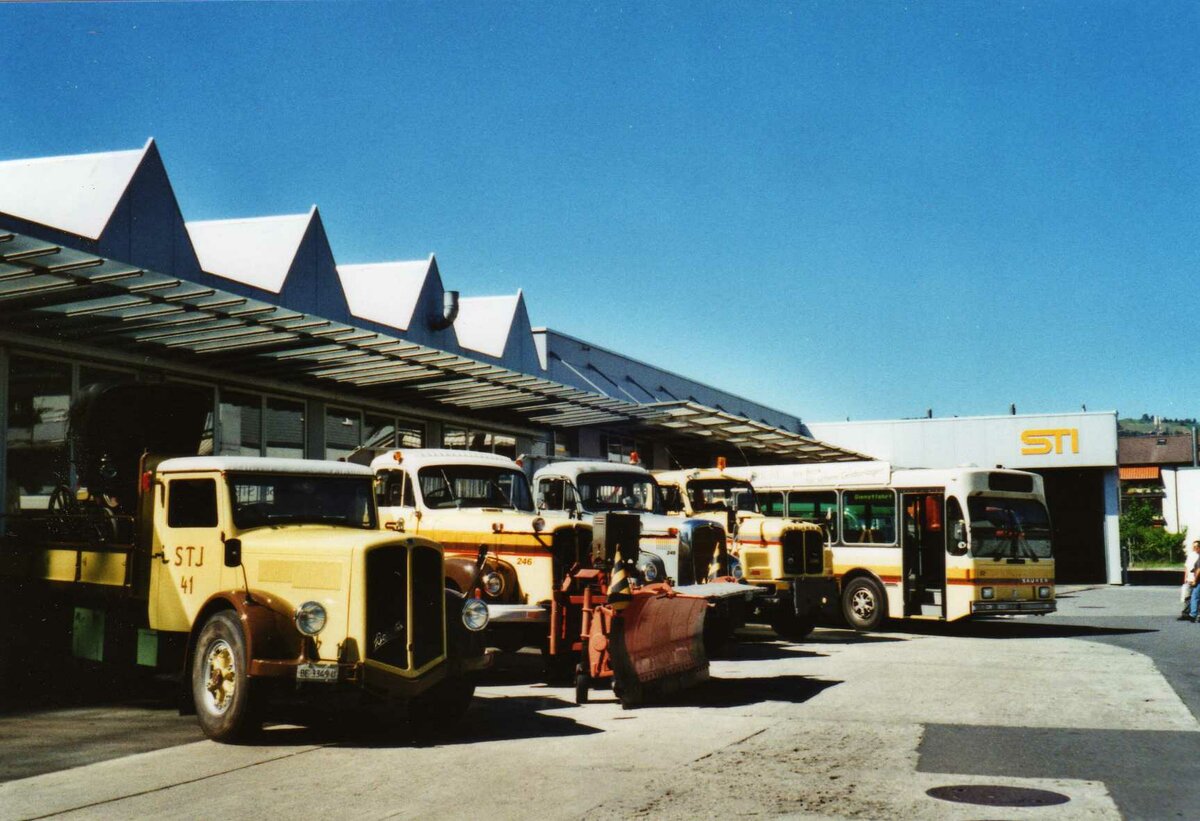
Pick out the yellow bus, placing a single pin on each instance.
(931, 544)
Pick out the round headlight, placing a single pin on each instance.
(539, 524)
(1043, 592)
(310, 618)
(493, 584)
(649, 571)
(475, 614)
(735, 568)
(987, 593)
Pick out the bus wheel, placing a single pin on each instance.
(863, 604)
(787, 624)
(221, 688)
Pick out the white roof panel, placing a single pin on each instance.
(76, 193)
(263, 464)
(417, 458)
(258, 251)
(484, 322)
(385, 292)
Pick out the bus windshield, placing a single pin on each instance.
(722, 494)
(1004, 528)
(263, 499)
(453, 486)
(617, 491)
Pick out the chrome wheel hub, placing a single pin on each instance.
(220, 676)
(863, 603)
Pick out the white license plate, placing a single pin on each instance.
(325, 673)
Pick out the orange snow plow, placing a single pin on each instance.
(648, 639)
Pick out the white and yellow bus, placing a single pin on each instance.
(921, 544)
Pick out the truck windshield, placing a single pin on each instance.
(264, 499)
(449, 486)
(617, 491)
(722, 494)
(1003, 528)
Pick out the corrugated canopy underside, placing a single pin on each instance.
(69, 295)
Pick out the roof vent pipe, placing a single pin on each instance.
(449, 312)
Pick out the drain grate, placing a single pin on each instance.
(994, 795)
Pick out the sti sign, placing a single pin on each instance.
(1049, 441)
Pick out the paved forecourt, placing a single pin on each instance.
(831, 727)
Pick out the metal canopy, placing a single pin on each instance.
(69, 295)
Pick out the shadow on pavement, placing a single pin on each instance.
(742, 692)
(1023, 629)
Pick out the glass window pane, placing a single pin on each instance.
(868, 517)
(455, 438)
(410, 434)
(241, 424)
(284, 428)
(39, 397)
(379, 432)
(343, 432)
(771, 504)
(89, 375)
(192, 503)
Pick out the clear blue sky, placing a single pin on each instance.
(838, 209)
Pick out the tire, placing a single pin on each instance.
(790, 626)
(222, 692)
(864, 604)
(583, 685)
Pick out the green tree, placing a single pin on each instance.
(1148, 544)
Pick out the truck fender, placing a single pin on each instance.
(460, 572)
(267, 623)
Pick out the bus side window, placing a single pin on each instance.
(956, 528)
(816, 506)
(771, 504)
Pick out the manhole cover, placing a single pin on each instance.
(992, 795)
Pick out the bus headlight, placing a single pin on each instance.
(310, 618)
(987, 593)
(1043, 592)
(475, 615)
(493, 584)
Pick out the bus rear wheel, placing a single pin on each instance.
(863, 604)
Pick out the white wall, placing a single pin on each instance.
(1181, 507)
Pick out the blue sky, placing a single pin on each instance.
(837, 209)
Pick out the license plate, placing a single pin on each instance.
(325, 673)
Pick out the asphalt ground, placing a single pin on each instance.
(1097, 704)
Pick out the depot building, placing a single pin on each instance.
(103, 279)
(1075, 454)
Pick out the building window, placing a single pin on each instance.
(240, 416)
(39, 398)
(388, 432)
(461, 439)
(283, 428)
(343, 432)
(618, 448)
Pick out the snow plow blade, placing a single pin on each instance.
(655, 644)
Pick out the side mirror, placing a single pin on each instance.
(233, 552)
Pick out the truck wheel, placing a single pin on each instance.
(221, 688)
(864, 604)
(437, 711)
(583, 685)
(787, 624)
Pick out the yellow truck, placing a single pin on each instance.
(257, 580)
(788, 559)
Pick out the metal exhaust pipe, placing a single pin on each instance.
(449, 312)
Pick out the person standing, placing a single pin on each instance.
(1191, 575)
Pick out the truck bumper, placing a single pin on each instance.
(1013, 608)
(517, 614)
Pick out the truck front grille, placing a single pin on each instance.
(428, 606)
(699, 542)
(387, 606)
(803, 553)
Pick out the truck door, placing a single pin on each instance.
(188, 554)
(924, 544)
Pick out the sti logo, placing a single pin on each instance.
(1041, 442)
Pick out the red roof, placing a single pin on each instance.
(1139, 472)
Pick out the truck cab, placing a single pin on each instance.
(257, 580)
(789, 560)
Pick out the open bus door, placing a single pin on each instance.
(924, 546)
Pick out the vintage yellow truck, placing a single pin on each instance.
(789, 560)
(257, 580)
